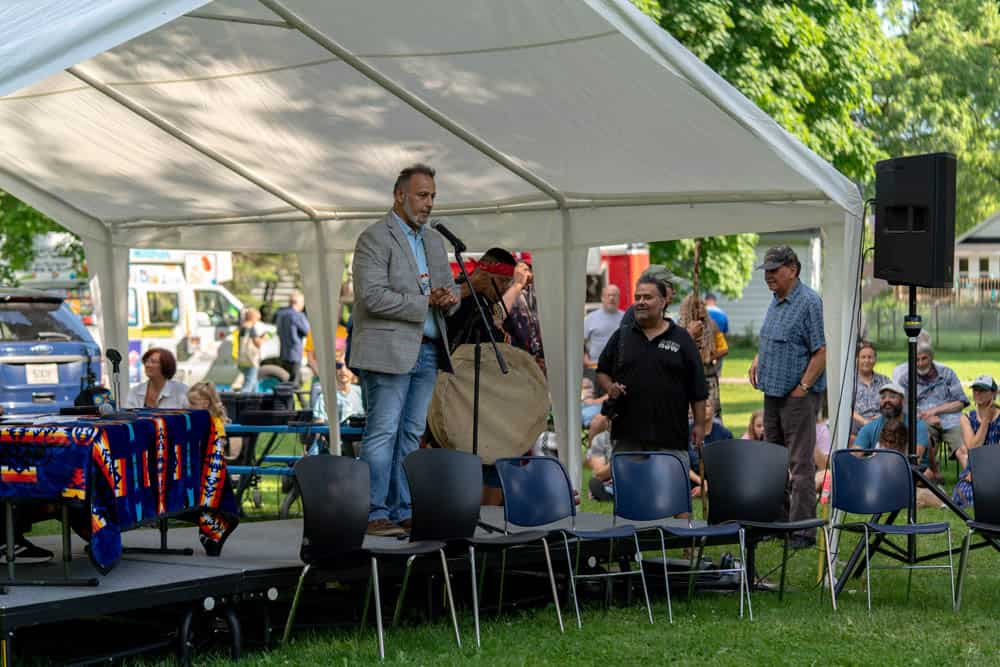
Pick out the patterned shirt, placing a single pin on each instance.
(939, 386)
(867, 401)
(792, 332)
(416, 239)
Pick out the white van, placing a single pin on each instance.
(195, 322)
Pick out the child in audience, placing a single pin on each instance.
(755, 430)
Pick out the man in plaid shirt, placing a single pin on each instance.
(790, 369)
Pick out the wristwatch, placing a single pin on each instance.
(804, 386)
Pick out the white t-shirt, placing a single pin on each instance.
(173, 396)
(597, 329)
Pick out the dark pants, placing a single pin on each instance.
(294, 371)
(791, 422)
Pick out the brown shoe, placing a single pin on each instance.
(406, 524)
(384, 528)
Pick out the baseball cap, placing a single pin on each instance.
(893, 387)
(985, 382)
(777, 257)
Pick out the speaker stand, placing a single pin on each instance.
(912, 324)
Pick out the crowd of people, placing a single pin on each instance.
(651, 376)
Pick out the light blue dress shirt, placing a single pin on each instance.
(416, 239)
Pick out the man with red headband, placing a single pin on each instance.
(497, 280)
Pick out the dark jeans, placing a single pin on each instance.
(791, 422)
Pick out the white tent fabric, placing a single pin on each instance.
(279, 125)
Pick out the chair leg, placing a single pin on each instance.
(451, 598)
(475, 593)
(868, 569)
(784, 567)
(963, 564)
(572, 581)
(951, 572)
(295, 604)
(378, 609)
(666, 576)
(552, 581)
(642, 575)
(402, 591)
(503, 574)
(829, 568)
(745, 576)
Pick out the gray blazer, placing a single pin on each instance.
(389, 309)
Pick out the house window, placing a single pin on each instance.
(963, 264)
(984, 267)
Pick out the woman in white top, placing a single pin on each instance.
(159, 391)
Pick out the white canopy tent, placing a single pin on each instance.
(279, 125)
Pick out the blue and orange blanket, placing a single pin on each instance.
(125, 472)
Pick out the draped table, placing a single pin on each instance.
(135, 469)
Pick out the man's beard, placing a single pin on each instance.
(924, 371)
(891, 411)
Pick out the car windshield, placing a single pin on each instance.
(28, 321)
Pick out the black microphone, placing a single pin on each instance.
(445, 232)
(114, 356)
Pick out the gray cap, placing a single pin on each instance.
(985, 382)
(894, 387)
(658, 272)
(777, 257)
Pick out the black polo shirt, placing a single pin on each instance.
(662, 377)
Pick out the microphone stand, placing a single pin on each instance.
(477, 359)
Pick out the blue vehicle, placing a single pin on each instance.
(44, 352)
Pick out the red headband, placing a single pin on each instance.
(496, 268)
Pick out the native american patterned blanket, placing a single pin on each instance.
(124, 473)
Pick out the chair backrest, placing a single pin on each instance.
(335, 500)
(871, 481)
(649, 485)
(536, 490)
(446, 488)
(746, 480)
(984, 462)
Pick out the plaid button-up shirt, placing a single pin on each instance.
(940, 386)
(792, 332)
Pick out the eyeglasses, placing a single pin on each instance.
(340, 365)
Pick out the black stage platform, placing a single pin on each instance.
(254, 577)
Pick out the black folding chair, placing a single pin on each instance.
(880, 481)
(984, 462)
(653, 486)
(747, 480)
(335, 500)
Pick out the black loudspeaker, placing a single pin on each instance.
(915, 220)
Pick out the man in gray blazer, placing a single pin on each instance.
(403, 288)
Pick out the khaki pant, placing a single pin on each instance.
(791, 422)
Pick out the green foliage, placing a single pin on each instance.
(726, 261)
(946, 95)
(19, 225)
(252, 269)
(809, 64)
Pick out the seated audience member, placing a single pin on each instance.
(755, 429)
(980, 428)
(940, 401)
(894, 436)
(160, 390)
(714, 431)
(891, 398)
(599, 462)
(590, 407)
(203, 396)
(866, 400)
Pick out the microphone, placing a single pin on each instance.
(114, 356)
(445, 232)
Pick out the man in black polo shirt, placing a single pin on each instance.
(658, 378)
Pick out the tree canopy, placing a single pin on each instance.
(945, 96)
(810, 64)
(19, 225)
